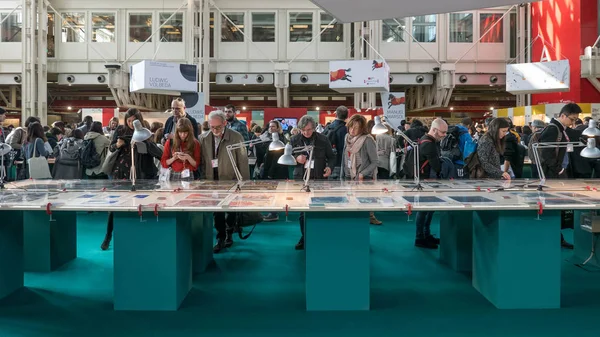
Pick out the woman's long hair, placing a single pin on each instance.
(35, 130)
(132, 112)
(494, 130)
(184, 125)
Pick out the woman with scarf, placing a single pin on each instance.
(359, 159)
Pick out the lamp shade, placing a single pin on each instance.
(591, 151)
(4, 149)
(379, 128)
(276, 144)
(592, 130)
(287, 158)
(140, 133)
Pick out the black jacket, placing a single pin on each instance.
(552, 157)
(144, 162)
(429, 150)
(169, 125)
(272, 170)
(514, 154)
(322, 155)
(340, 128)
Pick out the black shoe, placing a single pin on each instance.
(424, 243)
(220, 245)
(300, 244)
(228, 242)
(433, 239)
(566, 245)
(106, 243)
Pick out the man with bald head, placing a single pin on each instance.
(430, 165)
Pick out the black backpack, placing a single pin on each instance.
(473, 166)
(68, 152)
(331, 132)
(88, 155)
(449, 144)
(409, 160)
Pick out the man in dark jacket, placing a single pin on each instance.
(556, 160)
(323, 159)
(429, 160)
(178, 107)
(339, 130)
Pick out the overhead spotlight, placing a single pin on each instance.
(463, 79)
(304, 78)
(228, 79)
(243, 108)
(101, 79)
(260, 78)
(70, 78)
(69, 108)
(420, 79)
(451, 108)
(491, 108)
(391, 79)
(318, 108)
(493, 79)
(17, 78)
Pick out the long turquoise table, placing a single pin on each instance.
(515, 258)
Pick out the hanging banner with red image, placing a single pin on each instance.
(394, 107)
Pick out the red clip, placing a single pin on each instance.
(595, 189)
(103, 189)
(588, 188)
(178, 189)
(140, 210)
(478, 189)
(489, 190)
(155, 210)
(385, 190)
(540, 208)
(287, 208)
(48, 208)
(64, 190)
(409, 209)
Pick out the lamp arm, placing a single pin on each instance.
(310, 149)
(416, 155)
(538, 163)
(236, 170)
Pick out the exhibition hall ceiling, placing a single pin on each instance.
(359, 10)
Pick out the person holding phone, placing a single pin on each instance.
(182, 152)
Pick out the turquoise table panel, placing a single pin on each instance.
(202, 239)
(50, 242)
(456, 240)
(517, 259)
(152, 261)
(11, 252)
(337, 261)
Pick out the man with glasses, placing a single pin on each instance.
(178, 107)
(234, 123)
(322, 163)
(430, 165)
(556, 161)
(216, 165)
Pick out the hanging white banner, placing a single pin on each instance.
(394, 107)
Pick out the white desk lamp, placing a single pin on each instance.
(4, 149)
(140, 134)
(275, 145)
(590, 151)
(289, 160)
(379, 129)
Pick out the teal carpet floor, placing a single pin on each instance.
(257, 289)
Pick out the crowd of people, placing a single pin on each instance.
(344, 149)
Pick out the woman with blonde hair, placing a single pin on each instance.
(359, 158)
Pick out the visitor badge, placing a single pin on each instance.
(185, 173)
(349, 163)
(312, 164)
(569, 147)
(215, 163)
(185, 185)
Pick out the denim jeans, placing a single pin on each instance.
(423, 224)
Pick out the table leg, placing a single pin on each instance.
(49, 242)
(11, 252)
(152, 261)
(516, 258)
(456, 240)
(202, 240)
(337, 261)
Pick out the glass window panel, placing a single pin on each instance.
(461, 27)
(486, 21)
(301, 27)
(140, 27)
(334, 32)
(392, 31)
(212, 34)
(263, 27)
(232, 32)
(103, 27)
(513, 35)
(50, 36)
(424, 28)
(11, 27)
(73, 27)
(172, 31)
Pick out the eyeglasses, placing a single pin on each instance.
(216, 128)
(573, 119)
(307, 129)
